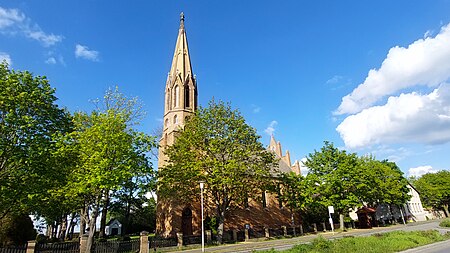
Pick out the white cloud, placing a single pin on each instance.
(271, 127)
(335, 79)
(10, 17)
(303, 169)
(425, 62)
(51, 60)
(5, 57)
(393, 154)
(84, 52)
(407, 118)
(255, 108)
(421, 170)
(13, 21)
(427, 34)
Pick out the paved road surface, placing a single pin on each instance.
(439, 247)
(281, 244)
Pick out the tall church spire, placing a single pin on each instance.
(180, 92)
(181, 62)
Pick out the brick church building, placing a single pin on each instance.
(180, 102)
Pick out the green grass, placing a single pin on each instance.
(387, 242)
(445, 223)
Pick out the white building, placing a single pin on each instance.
(414, 208)
(113, 227)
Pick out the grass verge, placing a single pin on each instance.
(386, 242)
(445, 223)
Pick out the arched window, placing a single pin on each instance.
(175, 119)
(177, 96)
(187, 100)
(166, 123)
(186, 221)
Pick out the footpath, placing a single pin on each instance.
(282, 244)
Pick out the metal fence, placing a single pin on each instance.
(14, 249)
(158, 242)
(116, 246)
(58, 247)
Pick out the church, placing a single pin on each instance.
(180, 102)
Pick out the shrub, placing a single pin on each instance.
(16, 229)
(321, 243)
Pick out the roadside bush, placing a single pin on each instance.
(16, 229)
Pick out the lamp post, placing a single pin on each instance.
(203, 229)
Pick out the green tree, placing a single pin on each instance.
(29, 118)
(331, 179)
(219, 148)
(381, 182)
(131, 206)
(109, 153)
(292, 192)
(434, 189)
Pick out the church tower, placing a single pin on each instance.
(180, 102)
(180, 93)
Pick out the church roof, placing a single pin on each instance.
(181, 63)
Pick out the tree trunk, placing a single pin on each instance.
(48, 233)
(446, 210)
(126, 222)
(103, 218)
(221, 221)
(84, 217)
(55, 230)
(63, 229)
(341, 221)
(70, 227)
(92, 223)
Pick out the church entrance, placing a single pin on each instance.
(186, 221)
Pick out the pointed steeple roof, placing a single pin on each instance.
(181, 63)
(273, 143)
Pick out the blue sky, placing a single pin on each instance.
(370, 76)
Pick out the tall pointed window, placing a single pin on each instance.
(175, 119)
(177, 96)
(187, 100)
(264, 201)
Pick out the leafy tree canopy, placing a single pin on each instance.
(434, 189)
(29, 118)
(109, 153)
(219, 148)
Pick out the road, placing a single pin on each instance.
(439, 247)
(281, 244)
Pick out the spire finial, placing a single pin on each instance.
(182, 17)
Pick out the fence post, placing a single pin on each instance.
(31, 245)
(246, 234)
(144, 247)
(324, 227)
(208, 236)
(83, 243)
(267, 232)
(301, 229)
(284, 230)
(180, 240)
(235, 238)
